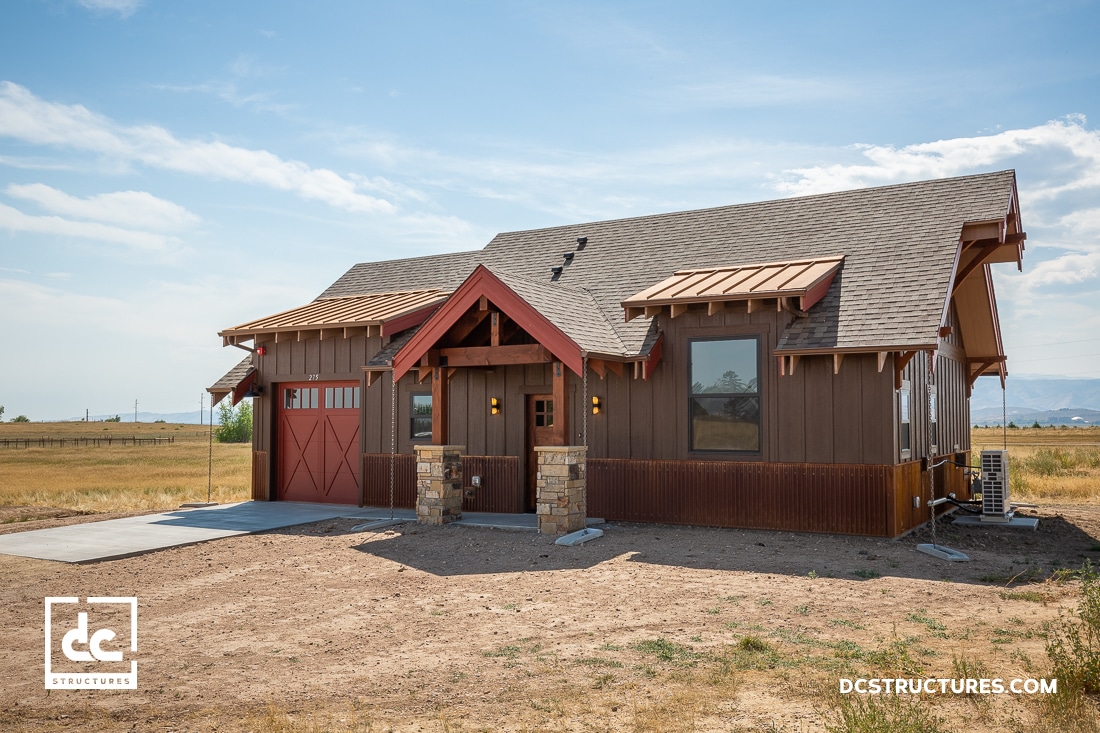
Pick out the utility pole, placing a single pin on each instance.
(202, 401)
(135, 411)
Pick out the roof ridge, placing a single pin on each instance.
(747, 204)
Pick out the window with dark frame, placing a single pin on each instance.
(724, 399)
(420, 417)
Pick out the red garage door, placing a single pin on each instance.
(319, 442)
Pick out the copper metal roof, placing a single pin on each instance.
(808, 280)
(347, 312)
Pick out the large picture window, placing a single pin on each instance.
(725, 394)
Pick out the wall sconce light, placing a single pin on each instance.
(254, 390)
(596, 405)
(494, 406)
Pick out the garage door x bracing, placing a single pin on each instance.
(319, 442)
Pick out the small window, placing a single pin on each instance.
(905, 439)
(544, 413)
(933, 418)
(420, 418)
(725, 394)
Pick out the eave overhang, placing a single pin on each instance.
(982, 243)
(380, 314)
(237, 381)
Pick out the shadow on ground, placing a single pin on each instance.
(997, 554)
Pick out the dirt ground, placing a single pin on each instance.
(451, 628)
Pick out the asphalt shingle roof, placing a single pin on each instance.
(233, 377)
(898, 244)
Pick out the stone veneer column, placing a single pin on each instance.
(438, 483)
(561, 500)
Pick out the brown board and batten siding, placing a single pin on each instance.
(812, 416)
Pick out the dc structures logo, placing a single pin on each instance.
(96, 659)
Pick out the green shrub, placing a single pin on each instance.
(234, 425)
(882, 714)
(1074, 646)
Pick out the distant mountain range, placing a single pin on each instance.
(1048, 401)
(175, 417)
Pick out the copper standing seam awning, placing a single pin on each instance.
(379, 314)
(807, 280)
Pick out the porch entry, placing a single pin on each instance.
(318, 437)
(540, 431)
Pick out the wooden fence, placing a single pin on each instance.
(83, 442)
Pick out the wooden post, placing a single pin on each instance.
(440, 394)
(561, 404)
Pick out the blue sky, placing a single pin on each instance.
(171, 169)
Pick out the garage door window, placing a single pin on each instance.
(341, 398)
(300, 399)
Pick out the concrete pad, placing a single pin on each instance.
(378, 524)
(971, 520)
(943, 553)
(114, 538)
(579, 537)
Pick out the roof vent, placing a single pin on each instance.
(581, 241)
(556, 270)
(568, 256)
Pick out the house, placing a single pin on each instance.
(791, 364)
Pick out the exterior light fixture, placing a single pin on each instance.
(596, 405)
(494, 406)
(254, 390)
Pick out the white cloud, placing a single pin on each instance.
(1065, 138)
(33, 120)
(16, 221)
(1065, 270)
(130, 209)
(125, 8)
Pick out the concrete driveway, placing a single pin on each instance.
(113, 538)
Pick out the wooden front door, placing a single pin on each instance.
(318, 438)
(540, 431)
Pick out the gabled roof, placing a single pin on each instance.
(483, 283)
(900, 246)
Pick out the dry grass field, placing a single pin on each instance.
(1048, 464)
(651, 629)
(118, 478)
